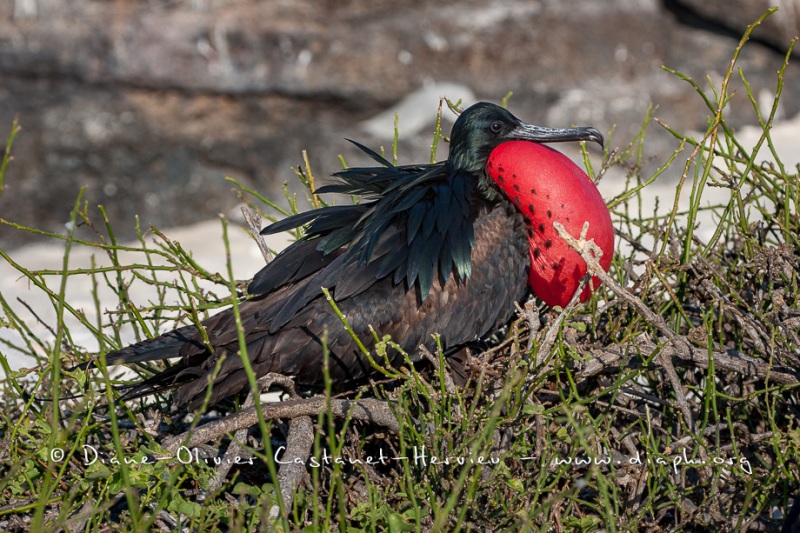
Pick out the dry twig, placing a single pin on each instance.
(366, 410)
(254, 227)
(591, 254)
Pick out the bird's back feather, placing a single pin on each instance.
(424, 253)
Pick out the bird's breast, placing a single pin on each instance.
(459, 310)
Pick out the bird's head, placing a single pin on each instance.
(484, 126)
(543, 185)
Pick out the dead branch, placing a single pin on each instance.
(293, 464)
(254, 227)
(591, 254)
(365, 410)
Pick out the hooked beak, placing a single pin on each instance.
(539, 134)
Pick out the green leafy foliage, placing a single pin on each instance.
(569, 420)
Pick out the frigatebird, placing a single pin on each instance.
(444, 248)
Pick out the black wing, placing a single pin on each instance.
(459, 312)
(416, 224)
(410, 242)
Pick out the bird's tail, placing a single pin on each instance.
(165, 346)
(162, 347)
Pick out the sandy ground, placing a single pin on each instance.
(204, 240)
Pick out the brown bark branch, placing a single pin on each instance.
(365, 410)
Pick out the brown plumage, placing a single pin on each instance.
(459, 312)
(431, 249)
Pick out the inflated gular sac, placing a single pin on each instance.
(546, 186)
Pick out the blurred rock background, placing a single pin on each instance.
(151, 103)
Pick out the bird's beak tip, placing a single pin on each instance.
(594, 135)
(550, 135)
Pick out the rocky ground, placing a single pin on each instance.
(150, 104)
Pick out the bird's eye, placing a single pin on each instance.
(496, 126)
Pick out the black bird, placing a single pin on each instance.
(430, 249)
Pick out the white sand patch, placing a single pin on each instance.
(204, 241)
